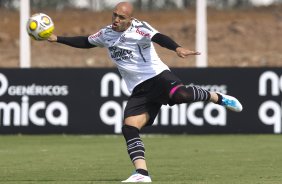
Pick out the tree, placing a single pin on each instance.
(138, 4)
(6, 3)
(188, 3)
(96, 5)
(49, 4)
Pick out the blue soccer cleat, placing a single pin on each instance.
(231, 103)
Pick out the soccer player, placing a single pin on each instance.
(150, 81)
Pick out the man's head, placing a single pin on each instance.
(122, 16)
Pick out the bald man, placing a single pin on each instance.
(151, 83)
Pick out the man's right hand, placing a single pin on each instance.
(53, 38)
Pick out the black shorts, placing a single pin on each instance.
(150, 95)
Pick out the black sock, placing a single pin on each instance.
(189, 94)
(142, 171)
(135, 146)
(219, 101)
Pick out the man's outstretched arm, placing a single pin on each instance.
(168, 43)
(77, 41)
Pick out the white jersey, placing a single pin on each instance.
(132, 51)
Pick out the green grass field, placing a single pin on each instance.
(172, 159)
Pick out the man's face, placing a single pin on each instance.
(120, 20)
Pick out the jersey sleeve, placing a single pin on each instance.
(97, 39)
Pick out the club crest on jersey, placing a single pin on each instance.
(122, 38)
(119, 54)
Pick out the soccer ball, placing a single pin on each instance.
(40, 26)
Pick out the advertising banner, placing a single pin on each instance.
(91, 101)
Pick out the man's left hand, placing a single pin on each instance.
(183, 53)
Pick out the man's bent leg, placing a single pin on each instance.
(182, 94)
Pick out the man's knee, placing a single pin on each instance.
(137, 121)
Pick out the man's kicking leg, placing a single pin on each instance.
(182, 94)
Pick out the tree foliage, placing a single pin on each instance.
(97, 5)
